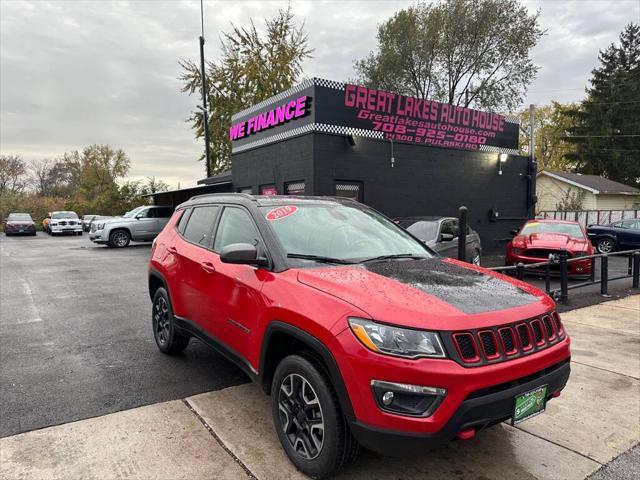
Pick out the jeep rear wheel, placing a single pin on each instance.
(308, 419)
(167, 337)
(119, 238)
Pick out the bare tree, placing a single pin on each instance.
(13, 174)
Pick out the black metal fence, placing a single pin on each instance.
(559, 265)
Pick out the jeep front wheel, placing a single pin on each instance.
(119, 238)
(308, 419)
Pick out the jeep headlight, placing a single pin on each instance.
(397, 341)
(99, 226)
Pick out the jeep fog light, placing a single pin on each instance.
(405, 399)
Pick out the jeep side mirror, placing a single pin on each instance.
(241, 254)
(139, 216)
(446, 237)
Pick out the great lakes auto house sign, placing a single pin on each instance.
(324, 106)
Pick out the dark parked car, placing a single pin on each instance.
(19, 224)
(441, 234)
(622, 235)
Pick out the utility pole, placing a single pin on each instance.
(205, 112)
(532, 114)
(533, 168)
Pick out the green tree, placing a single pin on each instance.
(254, 66)
(607, 131)
(552, 122)
(463, 52)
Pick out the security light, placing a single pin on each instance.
(503, 157)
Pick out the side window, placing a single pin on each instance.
(447, 227)
(200, 225)
(183, 220)
(146, 213)
(164, 212)
(630, 224)
(236, 226)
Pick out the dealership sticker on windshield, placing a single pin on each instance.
(529, 404)
(281, 212)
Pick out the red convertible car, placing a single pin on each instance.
(538, 239)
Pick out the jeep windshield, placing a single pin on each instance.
(331, 232)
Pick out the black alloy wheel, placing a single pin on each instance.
(301, 416)
(168, 339)
(308, 418)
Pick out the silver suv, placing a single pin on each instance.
(140, 224)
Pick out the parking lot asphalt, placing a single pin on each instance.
(76, 338)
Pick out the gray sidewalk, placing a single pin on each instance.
(229, 433)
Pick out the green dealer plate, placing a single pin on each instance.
(529, 404)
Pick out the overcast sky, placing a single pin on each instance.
(77, 72)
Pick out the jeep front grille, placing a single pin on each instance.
(504, 342)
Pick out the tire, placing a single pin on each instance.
(119, 238)
(606, 245)
(331, 447)
(167, 337)
(476, 260)
(79, 234)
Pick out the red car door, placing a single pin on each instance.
(237, 288)
(196, 264)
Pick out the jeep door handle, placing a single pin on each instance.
(172, 250)
(208, 267)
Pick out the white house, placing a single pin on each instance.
(599, 193)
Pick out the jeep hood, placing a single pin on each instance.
(433, 293)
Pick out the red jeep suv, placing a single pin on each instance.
(359, 332)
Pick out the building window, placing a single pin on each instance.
(268, 190)
(294, 188)
(351, 190)
(248, 190)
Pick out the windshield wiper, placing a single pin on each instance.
(319, 258)
(393, 256)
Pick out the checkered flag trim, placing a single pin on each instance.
(312, 127)
(321, 82)
(295, 187)
(489, 148)
(356, 132)
(511, 119)
(347, 187)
